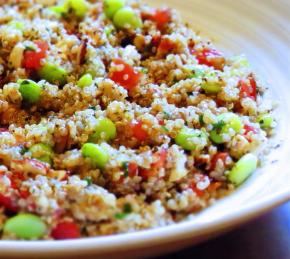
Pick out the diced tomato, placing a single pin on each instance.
(16, 178)
(198, 192)
(132, 169)
(66, 230)
(4, 130)
(156, 40)
(214, 186)
(124, 74)
(218, 156)
(8, 203)
(161, 17)
(160, 158)
(161, 122)
(248, 129)
(165, 46)
(24, 193)
(31, 59)
(209, 57)
(248, 89)
(138, 132)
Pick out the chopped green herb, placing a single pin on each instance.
(200, 119)
(144, 70)
(31, 48)
(23, 150)
(166, 115)
(219, 125)
(127, 208)
(120, 215)
(125, 166)
(92, 107)
(164, 128)
(89, 180)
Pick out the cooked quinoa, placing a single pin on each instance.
(116, 118)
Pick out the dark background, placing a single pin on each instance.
(267, 237)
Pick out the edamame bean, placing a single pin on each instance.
(266, 121)
(112, 6)
(42, 152)
(225, 122)
(79, 7)
(126, 18)
(52, 73)
(211, 87)
(243, 169)
(98, 155)
(104, 130)
(30, 91)
(85, 80)
(25, 226)
(191, 139)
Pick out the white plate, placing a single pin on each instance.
(261, 30)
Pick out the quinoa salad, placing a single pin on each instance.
(117, 117)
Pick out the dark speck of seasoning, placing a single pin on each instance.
(126, 41)
(274, 161)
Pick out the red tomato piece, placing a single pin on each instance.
(16, 178)
(132, 169)
(160, 158)
(66, 230)
(166, 46)
(32, 58)
(218, 156)
(248, 89)
(248, 129)
(214, 186)
(24, 193)
(198, 192)
(156, 40)
(138, 132)
(124, 74)
(4, 130)
(161, 17)
(161, 122)
(210, 57)
(8, 203)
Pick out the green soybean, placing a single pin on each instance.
(126, 18)
(79, 7)
(53, 73)
(243, 169)
(225, 122)
(25, 226)
(211, 87)
(59, 10)
(185, 139)
(42, 152)
(112, 6)
(30, 91)
(85, 80)
(265, 121)
(97, 154)
(104, 130)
